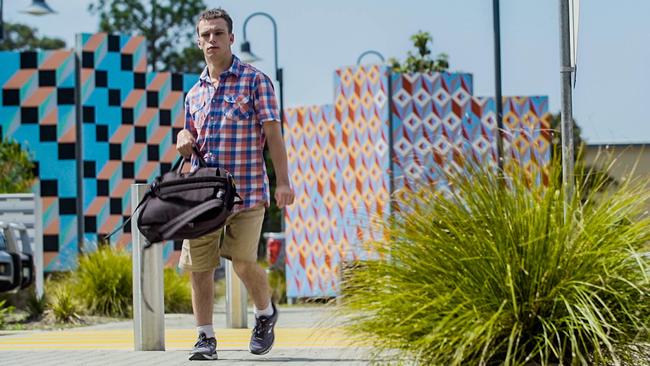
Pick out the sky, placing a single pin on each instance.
(317, 37)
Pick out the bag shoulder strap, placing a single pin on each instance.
(142, 201)
(170, 228)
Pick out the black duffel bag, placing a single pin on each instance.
(181, 206)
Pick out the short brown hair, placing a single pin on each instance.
(217, 13)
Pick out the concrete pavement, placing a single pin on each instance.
(305, 335)
(331, 356)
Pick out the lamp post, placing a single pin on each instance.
(498, 98)
(38, 7)
(248, 56)
(566, 71)
(370, 52)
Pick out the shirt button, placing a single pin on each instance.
(214, 100)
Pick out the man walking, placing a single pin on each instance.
(229, 114)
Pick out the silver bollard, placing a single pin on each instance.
(38, 246)
(148, 324)
(236, 300)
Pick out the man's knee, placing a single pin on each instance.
(198, 278)
(244, 268)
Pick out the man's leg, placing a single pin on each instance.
(240, 244)
(266, 314)
(202, 304)
(202, 296)
(255, 280)
(200, 257)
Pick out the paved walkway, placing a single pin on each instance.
(304, 335)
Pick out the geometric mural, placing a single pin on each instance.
(129, 120)
(386, 132)
(312, 237)
(338, 156)
(38, 111)
(438, 125)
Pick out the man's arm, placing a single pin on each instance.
(185, 138)
(283, 192)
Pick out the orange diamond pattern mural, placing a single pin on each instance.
(387, 131)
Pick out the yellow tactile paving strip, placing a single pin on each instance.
(122, 339)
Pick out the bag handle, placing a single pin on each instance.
(178, 166)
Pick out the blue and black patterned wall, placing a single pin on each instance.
(129, 120)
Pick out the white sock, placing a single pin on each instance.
(263, 312)
(207, 329)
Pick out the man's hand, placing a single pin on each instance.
(283, 195)
(184, 143)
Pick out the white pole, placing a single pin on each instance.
(148, 323)
(236, 300)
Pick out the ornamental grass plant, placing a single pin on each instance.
(493, 272)
(103, 282)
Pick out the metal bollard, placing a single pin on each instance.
(236, 300)
(38, 246)
(148, 324)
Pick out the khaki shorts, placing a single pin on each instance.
(239, 242)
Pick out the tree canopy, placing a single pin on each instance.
(21, 37)
(16, 168)
(421, 61)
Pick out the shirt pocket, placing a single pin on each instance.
(238, 107)
(199, 112)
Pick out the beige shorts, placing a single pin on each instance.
(240, 239)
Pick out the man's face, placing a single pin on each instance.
(214, 39)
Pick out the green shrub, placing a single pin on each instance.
(64, 308)
(5, 311)
(103, 285)
(178, 295)
(35, 305)
(493, 274)
(103, 282)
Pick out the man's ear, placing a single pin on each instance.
(232, 38)
(198, 42)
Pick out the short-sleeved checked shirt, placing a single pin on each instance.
(226, 122)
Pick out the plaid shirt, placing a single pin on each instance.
(226, 122)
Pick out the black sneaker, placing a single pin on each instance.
(204, 349)
(263, 336)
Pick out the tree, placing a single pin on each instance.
(20, 37)
(556, 137)
(422, 61)
(165, 24)
(16, 168)
(189, 59)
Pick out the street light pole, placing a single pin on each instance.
(567, 114)
(498, 98)
(245, 47)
